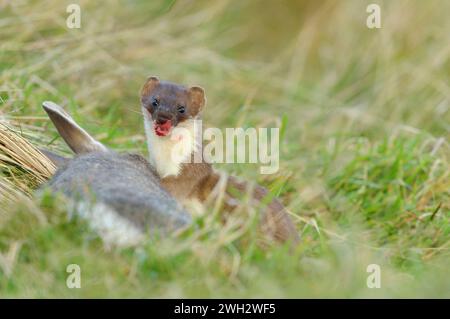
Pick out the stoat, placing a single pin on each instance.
(170, 111)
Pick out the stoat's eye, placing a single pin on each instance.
(181, 109)
(155, 102)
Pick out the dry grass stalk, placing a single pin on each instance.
(18, 157)
(18, 151)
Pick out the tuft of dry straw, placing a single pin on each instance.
(18, 155)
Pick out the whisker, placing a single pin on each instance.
(134, 111)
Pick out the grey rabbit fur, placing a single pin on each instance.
(119, 194)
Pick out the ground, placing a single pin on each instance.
(364, 158)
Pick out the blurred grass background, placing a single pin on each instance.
(364, 161)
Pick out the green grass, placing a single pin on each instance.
(364, 162)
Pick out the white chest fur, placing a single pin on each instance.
(167, 153)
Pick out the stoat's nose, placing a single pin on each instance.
(163, 117)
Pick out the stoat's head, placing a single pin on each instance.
(166, 105)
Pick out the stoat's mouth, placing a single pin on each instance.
(163, 129)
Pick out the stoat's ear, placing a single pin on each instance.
(78, 139)
(149, 85)
(197, 96)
